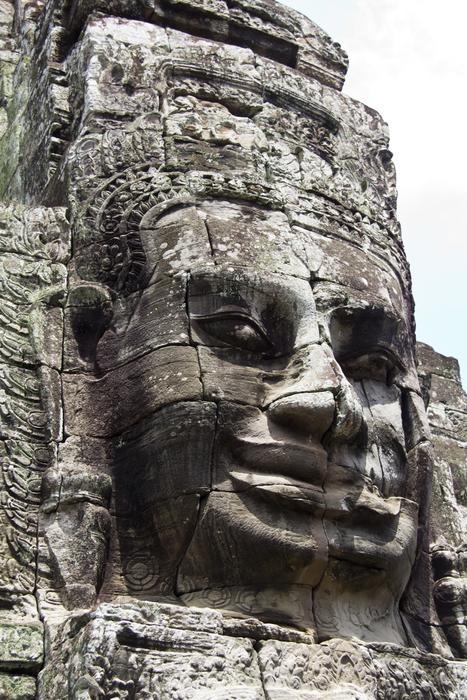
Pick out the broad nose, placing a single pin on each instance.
(311, 414)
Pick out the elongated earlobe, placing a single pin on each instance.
(91, 311)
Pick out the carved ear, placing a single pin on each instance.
(91, 312)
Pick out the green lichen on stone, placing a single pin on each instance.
(21, 647)
(17, 687)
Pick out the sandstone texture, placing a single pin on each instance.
(227, 469)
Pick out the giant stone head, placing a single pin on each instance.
(243, 420)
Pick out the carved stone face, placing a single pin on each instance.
(261, 393)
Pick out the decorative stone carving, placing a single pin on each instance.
(150, 650)
(217, 462)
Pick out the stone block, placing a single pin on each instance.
(176, 241)
(233, 375)
(14, 687)
(173, 652)
(24, 417)
(46, 323)
(167, 455)
(432, 362)
(22, 279)
(234, 527)
(142, 322)
(358, 269)
(251, 237)
(448, 392)
(107, 405)
(152, 543)
(453, 453)
(21, 647)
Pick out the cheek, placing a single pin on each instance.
(385, 414)
(167, 455)
(161, 471)
(380, 454)
(145, 321)
(105, 406)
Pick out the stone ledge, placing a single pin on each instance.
(432, 362)
(159, 650)
(17, 687)
(267, 27)
(21, 647)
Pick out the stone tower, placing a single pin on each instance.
(223, 472)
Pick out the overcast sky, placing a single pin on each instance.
(408, 60)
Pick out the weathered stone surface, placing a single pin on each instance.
(21, 647)
(447, 416)
(448, 392)
(175, 241)
(171, 651)
(208, 388)
(432, 362)
(252, 237)
(269, 28)
(282, 306)
(167, 455)
(151, 545)
(159, 651)
(230, 529)
(228, 374)
(34, 246)
(17, 687)
(106, 338)
(446, 409)
(107, 405)
(253, 449)
(345, 669)
(452, 452)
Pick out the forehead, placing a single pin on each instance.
(232, 237)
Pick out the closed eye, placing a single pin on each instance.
(236, 329)
(378, 364)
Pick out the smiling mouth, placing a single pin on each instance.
(288, 474)
(299, 476)
(300, 466)
(283, 490)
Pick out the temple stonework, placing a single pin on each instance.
(228, 471)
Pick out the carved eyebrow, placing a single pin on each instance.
(226, 312)
(211, 294)
(215, 302)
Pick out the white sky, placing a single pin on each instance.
(408, 60)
